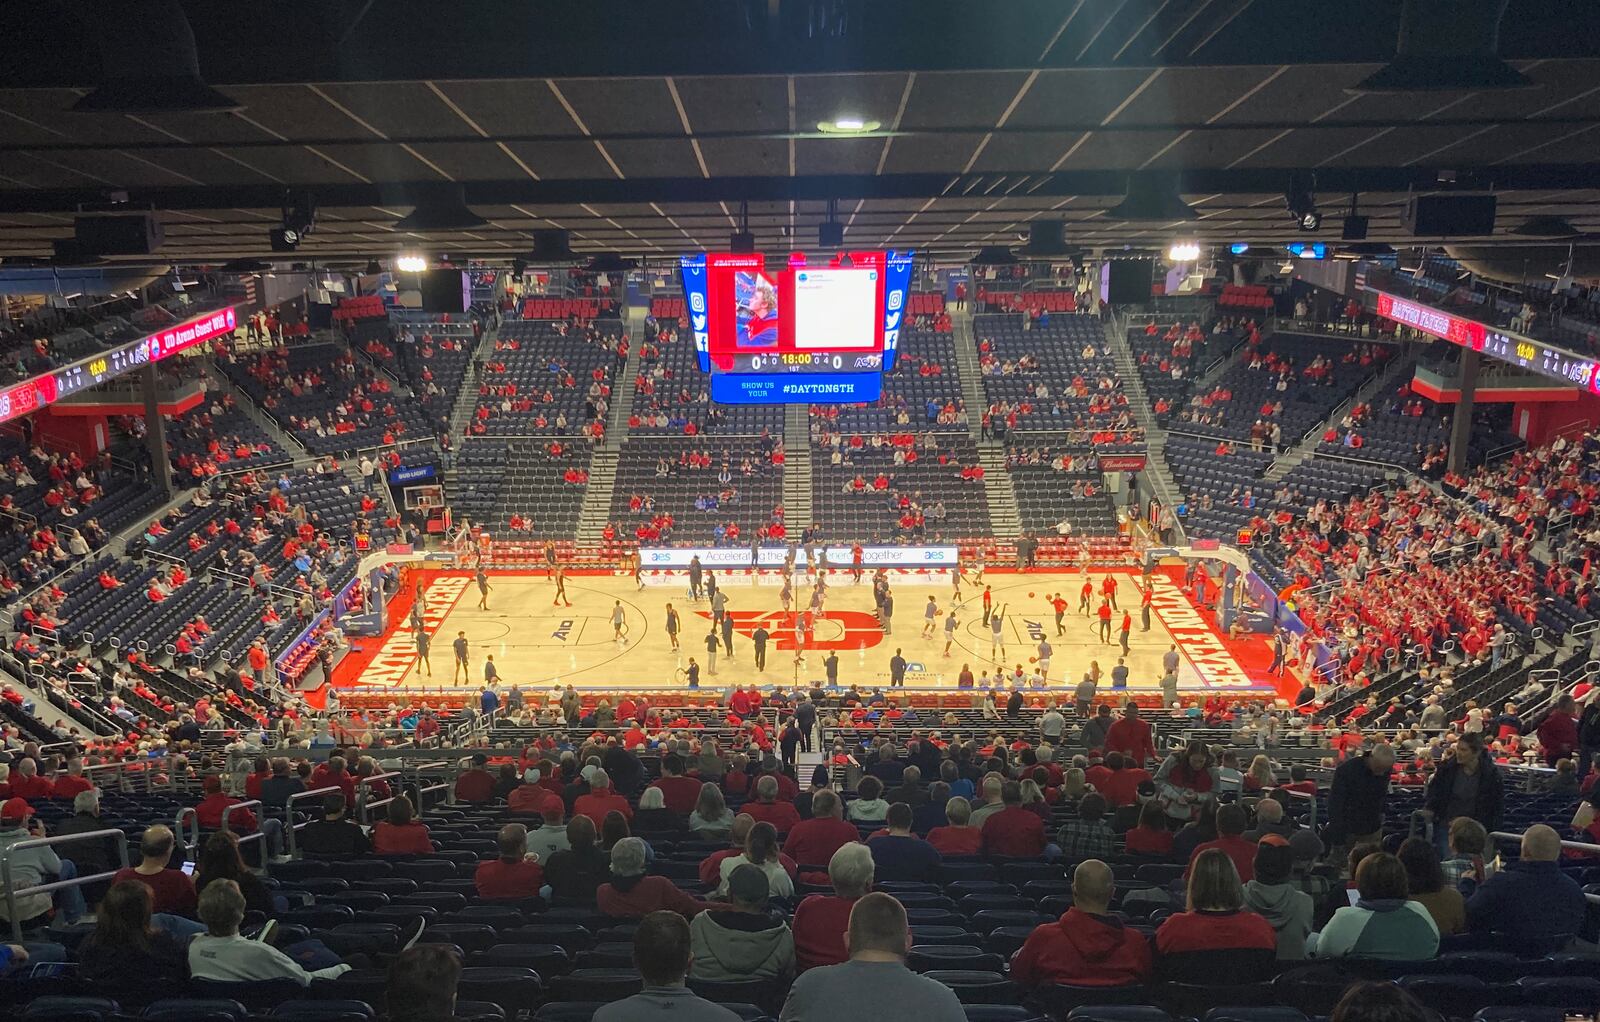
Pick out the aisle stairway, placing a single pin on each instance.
(1156, 469)
(1004, 519)
(466, 398)
(797, 476)
(622, 388)
(967, 368)
(597, 496)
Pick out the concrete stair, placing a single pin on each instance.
(622, 388)
(1003, 516)
(597, 496)
(967, 369)
(1156, 469)
(466, 398)
(797, 472)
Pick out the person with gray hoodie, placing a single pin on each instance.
(1274, 896)
(743, 941)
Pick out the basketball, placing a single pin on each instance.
(1030, 596)
(1033, 660)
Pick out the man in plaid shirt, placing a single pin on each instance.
(1087, 837)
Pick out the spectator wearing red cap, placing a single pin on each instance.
(31, 867)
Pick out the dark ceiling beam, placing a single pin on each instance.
(1330, 181)
(358, 142)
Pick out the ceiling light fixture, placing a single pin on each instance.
(848, 126)
(411, 264)
(1183, 252)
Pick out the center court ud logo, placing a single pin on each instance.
(860, 629)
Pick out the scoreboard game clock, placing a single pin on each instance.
(792, 329)
(30, 395)
(1525, 352)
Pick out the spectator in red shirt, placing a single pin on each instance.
(1558, 735)
(514, 874)
(477, 783)
(261, 770)
(815, 841)
(26, 782)
(530, 796)
(1151, 836)
(1215, 935)
(333, 774)
(401, 833)
(1087, 946)
(171, 890)
(210, 809)
(70, 785)
(679, 793)
(633, 895)
(820, 921)
(958, 837)
(1231, 822)
(1013, 831)
(601, 800)
(767, 808)
(1131, 737)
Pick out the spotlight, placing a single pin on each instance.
(283, 239)
(411, 264)
(1183, 252)
(1302, 204)
(1239, 247)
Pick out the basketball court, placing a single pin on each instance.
(539, 642)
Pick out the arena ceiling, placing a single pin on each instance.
(642, 128)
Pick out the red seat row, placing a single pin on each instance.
(1019, 301)
(1245, 296)
(565, 308)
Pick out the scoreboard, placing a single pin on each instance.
(37, 392)
(796, 330)
(1525, 352)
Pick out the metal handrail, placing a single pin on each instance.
(290, 825)
(1577, 846)
(12, 894)
(123, 768)
(422, 790)
(193, 829)
(242, 805)
(363, 786)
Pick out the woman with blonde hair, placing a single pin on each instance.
(1033, 799)
(1073, 785)
(1259, 776)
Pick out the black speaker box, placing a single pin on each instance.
(1443, 216)
(132, 234)
(1129, 281)
(445, 291)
